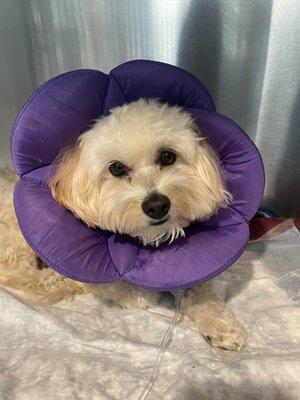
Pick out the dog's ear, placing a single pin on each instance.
(62, 182)
(70, 185)
(208, 169)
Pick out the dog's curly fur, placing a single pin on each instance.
(134, 135)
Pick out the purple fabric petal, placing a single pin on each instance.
(62, 241)
(53, 118)
(150, 79)
(201, 255)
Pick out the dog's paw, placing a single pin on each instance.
(227, 336)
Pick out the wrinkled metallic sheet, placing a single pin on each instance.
(246, 53)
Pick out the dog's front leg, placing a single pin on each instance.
(215, 322)
(124, 294)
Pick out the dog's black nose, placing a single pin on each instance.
(156, 206)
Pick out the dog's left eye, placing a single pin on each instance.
(167, 157)
(116, 168)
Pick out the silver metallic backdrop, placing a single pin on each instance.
(247, 53)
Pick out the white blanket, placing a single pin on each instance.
(84, 349)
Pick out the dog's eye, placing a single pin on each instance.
(167, 157)
(116, 168)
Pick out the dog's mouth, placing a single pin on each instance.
(162, 221)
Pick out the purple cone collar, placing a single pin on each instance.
(66, 106)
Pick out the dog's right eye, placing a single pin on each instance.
(116, 168)
(167, 157)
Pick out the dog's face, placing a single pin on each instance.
(144, 170)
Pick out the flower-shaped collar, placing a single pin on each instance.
(60, 111)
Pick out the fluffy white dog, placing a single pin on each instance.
(144, 170)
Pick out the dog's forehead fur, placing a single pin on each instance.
(135, 133)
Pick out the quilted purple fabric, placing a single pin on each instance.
(66, 106)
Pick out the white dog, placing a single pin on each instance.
(144, 170)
